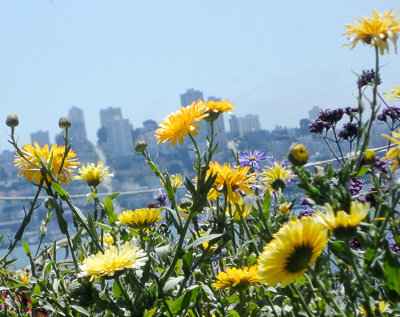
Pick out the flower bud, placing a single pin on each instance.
(50, 203)
(298, 155)
(370, 157)
(64, 123)
(140, 145)
(12, 121)
(108, 238)
(185, 203)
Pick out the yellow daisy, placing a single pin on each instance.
(93, 174)
(294, 247)
(375, 31)
(394, 152)
(181, 123)
(25, 276)
(284, 208)
(177, 181)
(342, 224)
(140, 218)
(239, 279)
(229, 181)
(215, 108)
(275, 177)
(394, 95)
(30, 168)
(113, 260)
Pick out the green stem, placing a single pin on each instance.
(328, 297)
(294, 289)
(124, 293)
(360, 279)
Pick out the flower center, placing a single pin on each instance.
(298, 260)
(252, 158)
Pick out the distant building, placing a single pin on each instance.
(109, 114)
(119, 132)
(190, 96)
(244, 124)
(41, 137)
(313, 113)
(77, 131)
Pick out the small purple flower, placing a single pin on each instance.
(305, 213)
(382, 164)
(367, 77)
(349, 131)
(355, 186)
(162, 199)
(252, 158)
(355, 244)
(304, 202)
(392, 243)
(392, 112)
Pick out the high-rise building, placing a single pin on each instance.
(244, 124)
(119, 132)
(109, 114)
(190, 96)
(77, 131)
(313, 113)
(41, 137)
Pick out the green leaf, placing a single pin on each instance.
(26, 248)
(117, 291)
(163, 252)
(202, 240)
(92, 227)
(108, 205)
(62, 223)
(112, 196)
(175, 219)
(60, 191)
(362, 170)
(150, 313)
(185, 300)
(104, 226)
(80, 310)
(187, 262)
(170, 285)
(339, 250)
(1, 239)
(232, 313)
(392, 272)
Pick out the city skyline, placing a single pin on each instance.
(269, 59)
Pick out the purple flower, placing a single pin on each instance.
(382, 164)
(392, 112)
(162, 199)
(367, 77)
(349, 131)
(252, 158)
(355, 244)
(304, 202)
(305, 213)
(355, 186)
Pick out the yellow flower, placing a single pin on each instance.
(242, 212)
(215, 108)
(108, 238)
(202, 233)
(113, 260)
(176, 181)
(370, 157)
(93, 174)
(140, 218)
(30, 168)
(394, 152)
(298, 155)
(181, 123)
(24, 276)
(375, 31)
(343, 225)
(275, 177)
(294, 248)
(237, 278)
(284, 208)
(383, 306)
(229, 181)
(394, 95)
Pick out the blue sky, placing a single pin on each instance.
(276, 59)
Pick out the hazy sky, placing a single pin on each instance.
(273, 58)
